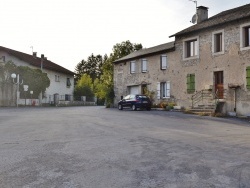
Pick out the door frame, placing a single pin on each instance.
(219, 83)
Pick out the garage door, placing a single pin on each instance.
(134, 90)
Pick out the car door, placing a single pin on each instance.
(126, 101)
(132, 100)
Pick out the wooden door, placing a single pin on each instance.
(143, 89)
(218, 84)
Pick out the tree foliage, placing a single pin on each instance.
(119, 50)
(91, 66)
(34, 78)
(100, 70)
(84, 87)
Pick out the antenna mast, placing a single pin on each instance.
(195, 4)
(195, 17)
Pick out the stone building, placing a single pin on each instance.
(209, 60)
(146, 69)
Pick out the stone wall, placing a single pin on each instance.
(7, 94)
(232, 61)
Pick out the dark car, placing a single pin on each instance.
(135, 102)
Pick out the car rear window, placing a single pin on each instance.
(142, 96)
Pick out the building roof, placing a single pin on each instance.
(36, 61)
(235, 14)
(167, 47)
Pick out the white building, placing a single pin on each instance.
(61, 79)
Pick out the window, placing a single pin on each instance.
(190, 48)
(67, 97)
(144, 65)
(57, 78)
(248, 77)
(164, 62)
(163, 90)
(190, 83)
(245, 36)
(68, 82)
(132, 67)
(218, 42)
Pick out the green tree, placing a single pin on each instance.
(91, 66)
(106, 86)
(34, 78)
(84, 87)
(37, 80)
(6, 70)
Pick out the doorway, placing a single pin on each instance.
(143, 89)
(218, 84)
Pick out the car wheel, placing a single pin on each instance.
(120, 107)
(134, 107)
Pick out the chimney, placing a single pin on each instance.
(34, 54)
(202, 13)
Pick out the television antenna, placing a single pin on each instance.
(195, 16)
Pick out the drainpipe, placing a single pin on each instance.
(235, 99)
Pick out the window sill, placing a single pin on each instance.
(244, 48)
(218, 53)
(190, 58)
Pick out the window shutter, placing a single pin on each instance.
(188, 83)
(144, 65)
(192, 82)
(158, 90)
(132, 67)
(168, 89)
(248, 77)
(166, 64)
(161, 61)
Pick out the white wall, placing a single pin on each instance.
(60, 87)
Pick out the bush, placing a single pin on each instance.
(163, 104)
(171, 105)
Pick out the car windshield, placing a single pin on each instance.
(127, 97)
(142, 96)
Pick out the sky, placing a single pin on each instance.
(67, 31)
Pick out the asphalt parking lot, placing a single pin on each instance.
(95, 147)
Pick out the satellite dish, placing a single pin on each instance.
(194, 19)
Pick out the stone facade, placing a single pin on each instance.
(7, 94)
(123, 79)
(230, 62)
